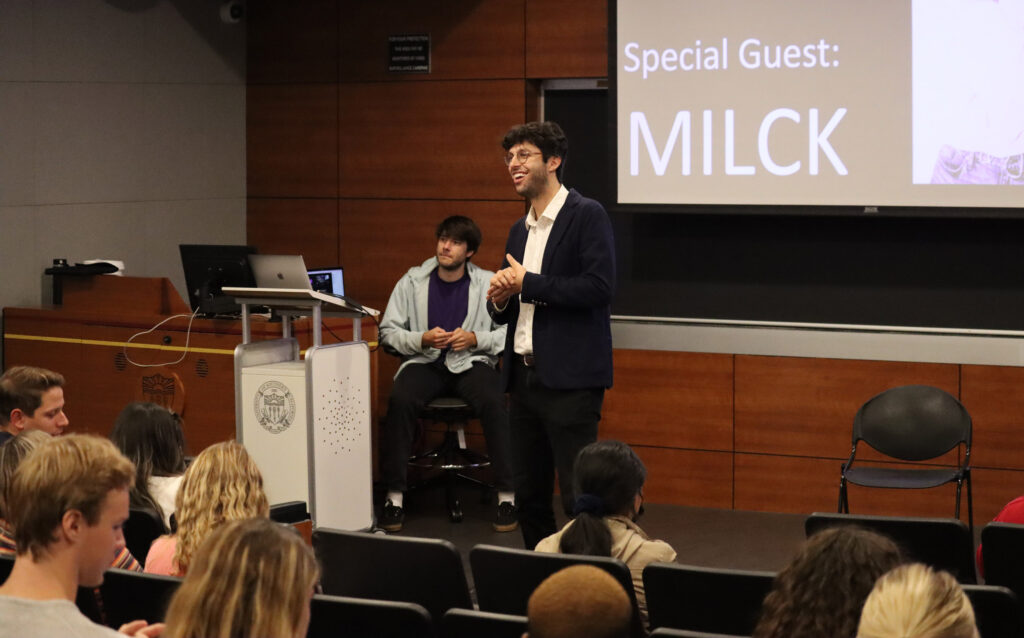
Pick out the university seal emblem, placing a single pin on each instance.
(274, 406)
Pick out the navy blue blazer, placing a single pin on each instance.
(572, 294)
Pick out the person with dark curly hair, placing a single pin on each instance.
(822, 590)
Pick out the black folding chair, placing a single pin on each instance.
(290, 512)
(727, 601)
(505, 577)
(911, 423)
(424, 571)
(996, 612)
(1002, 546)
(334, 616)
(943, 543)
(129, 595)
(464, 623)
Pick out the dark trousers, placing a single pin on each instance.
(419, 383)
(548, 428)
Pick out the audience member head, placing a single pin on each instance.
(32, 399)
(71, 492)
(581, 601)
(251, 577)
(222, 484)
(460, 228)
(822, 590)
(12, 453)
(151, 437)
(608, 478)
(548, 137)
(915, 601)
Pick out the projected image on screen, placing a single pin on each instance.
(968, 91)
(812, 102)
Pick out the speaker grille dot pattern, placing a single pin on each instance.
(202, 368)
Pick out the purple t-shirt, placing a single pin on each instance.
(447, 302)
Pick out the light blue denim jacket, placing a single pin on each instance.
(405, 320)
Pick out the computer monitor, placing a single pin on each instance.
(329, 280)
(208, 268)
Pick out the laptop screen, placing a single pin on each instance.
(329, 280)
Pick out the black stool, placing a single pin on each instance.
(451, 457)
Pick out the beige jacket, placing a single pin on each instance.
(631, 545)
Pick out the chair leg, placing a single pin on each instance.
(959, 485)
(844, 504)
(970, 506)
(454, 507)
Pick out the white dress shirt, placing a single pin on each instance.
(538, 231)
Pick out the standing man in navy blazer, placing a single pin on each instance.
(554, 291)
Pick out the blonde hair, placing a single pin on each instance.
(12, 453)
(581, 601)
(222, 484)
(249, 578)
(915, 601)
(71, 472)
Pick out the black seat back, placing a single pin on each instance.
(334, 616)
(466, 623)
(913, 422)
(943, 543)
(726, 601)
(425, 571)
(290, 512)
(996, 612)
(129, 595)
(140, 530)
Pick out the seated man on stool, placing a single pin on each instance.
(437, 320)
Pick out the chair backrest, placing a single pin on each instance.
(727, 601)
(290, 512)
(665, 632)
(505, 577)
(465, 623)
(943, 543)
(6, 565)
(128, 596)
(140, 530)
(1002, 546)
(996, 612)
(333, 616)
(425, 571)
(913, 423)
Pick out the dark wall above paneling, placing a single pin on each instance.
(292, 42)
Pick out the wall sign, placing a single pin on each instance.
(409, 53)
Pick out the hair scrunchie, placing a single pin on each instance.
(588, 504)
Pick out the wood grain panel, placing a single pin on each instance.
(993, 396)
(292, 140)
(687, 477)
(469, 39)
(382, 239)
(670, 399)
(993, 489)
(567, 39)
(307, 227)
(427, 140)
(803, 485)
(803, 406)
(291, 42)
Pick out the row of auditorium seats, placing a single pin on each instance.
(425, 579)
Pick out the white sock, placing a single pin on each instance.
(506, 497)
(395, 498)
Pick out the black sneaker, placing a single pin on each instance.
(391, 518)
(507, 519)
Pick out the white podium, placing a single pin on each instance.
(306, 422)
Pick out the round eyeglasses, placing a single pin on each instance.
(520, 156)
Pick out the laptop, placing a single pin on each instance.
(329, 280)
(289, 272)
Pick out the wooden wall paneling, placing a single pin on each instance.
(993, 489)
(802, 485)
(427, 140)
(687, 477)
(382, 239)
(670, 399)
(566, 39)
(292, 42)
(993, 396)
(804, 406)
(469, 39)
(292, 140)
(307, 227)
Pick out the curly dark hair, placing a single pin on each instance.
(822, 590)
(547, 136)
